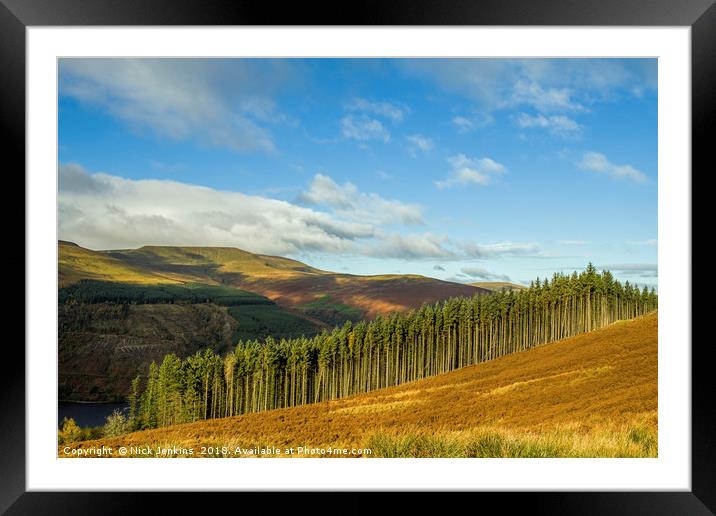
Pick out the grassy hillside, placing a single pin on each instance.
(593, 395)
(498, 285)
(327, 296)
(76, 263)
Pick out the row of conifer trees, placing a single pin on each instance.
(389, 350)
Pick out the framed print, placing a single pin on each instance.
(444, 248)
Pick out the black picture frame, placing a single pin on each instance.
(700, 15)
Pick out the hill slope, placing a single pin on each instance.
(590, 395)
(76, 263)
(102, 347)
(99, 357)
(327, 296)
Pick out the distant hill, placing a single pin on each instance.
(327, 296)
(122, 309)
(496, 286)
(593, 395)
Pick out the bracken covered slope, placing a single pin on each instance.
(590, 395)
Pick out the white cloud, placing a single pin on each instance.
(465, 125)
(384, 109)
(650, 242)
(543, 99)
(349, 202)
(412, 247)
(549, 85)
(558, 125)
(483, 274)
(438, 268)
(363, 128)
(74, 178)
(597, 162)
(467, 171)
(103, 211)
(553, 88)
(210, 101)
(265, 110)
(641, 270)
(500, 249)
(573, 242)
(421, 143)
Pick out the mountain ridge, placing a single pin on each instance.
(288, 282)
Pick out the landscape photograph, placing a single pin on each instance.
(357, 258)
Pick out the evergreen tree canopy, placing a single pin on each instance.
(389, 350)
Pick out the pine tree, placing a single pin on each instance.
(389, 350)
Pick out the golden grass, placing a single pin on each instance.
(591, 395)
(76, 263)
(576, 376)
(384, 406)
(634, 438)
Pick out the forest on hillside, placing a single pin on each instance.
(389, 350)
(95, 291)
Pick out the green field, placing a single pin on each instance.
(260, 321)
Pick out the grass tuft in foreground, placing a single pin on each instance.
(638, 440)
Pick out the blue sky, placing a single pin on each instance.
(460, 169)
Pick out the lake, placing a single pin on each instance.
(88, 414)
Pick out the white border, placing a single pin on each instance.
(670, 471)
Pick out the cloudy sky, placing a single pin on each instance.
(460, 169)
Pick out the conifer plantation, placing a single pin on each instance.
(389, 350)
